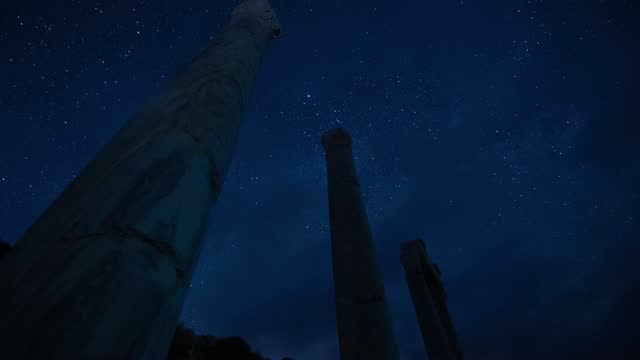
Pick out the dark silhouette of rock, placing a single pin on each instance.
(182, 344)
(186, 345)
(4, 249)
(209, 347)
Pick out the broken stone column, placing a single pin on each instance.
(364, 326)
(429, 299)
(103, 273)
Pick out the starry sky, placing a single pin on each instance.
(501, 132)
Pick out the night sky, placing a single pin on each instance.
(505, 133)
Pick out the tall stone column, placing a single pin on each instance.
(429, 299)
(364, 326)
(102, 274)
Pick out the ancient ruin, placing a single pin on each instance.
(430, 302)
(364, 325)
(103, 273)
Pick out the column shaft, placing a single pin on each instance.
(102, 274)
(364, 326)
(429, 300)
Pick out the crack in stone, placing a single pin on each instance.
(80, 237)
(162, 247)
(216, 179)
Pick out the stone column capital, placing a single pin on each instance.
(411, 250)
(261, 10)
(336, 137)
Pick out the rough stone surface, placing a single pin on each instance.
(364, 326)
(102, 274)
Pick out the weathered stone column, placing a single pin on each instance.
(102, 274)
(364, 326)
(429, 300)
